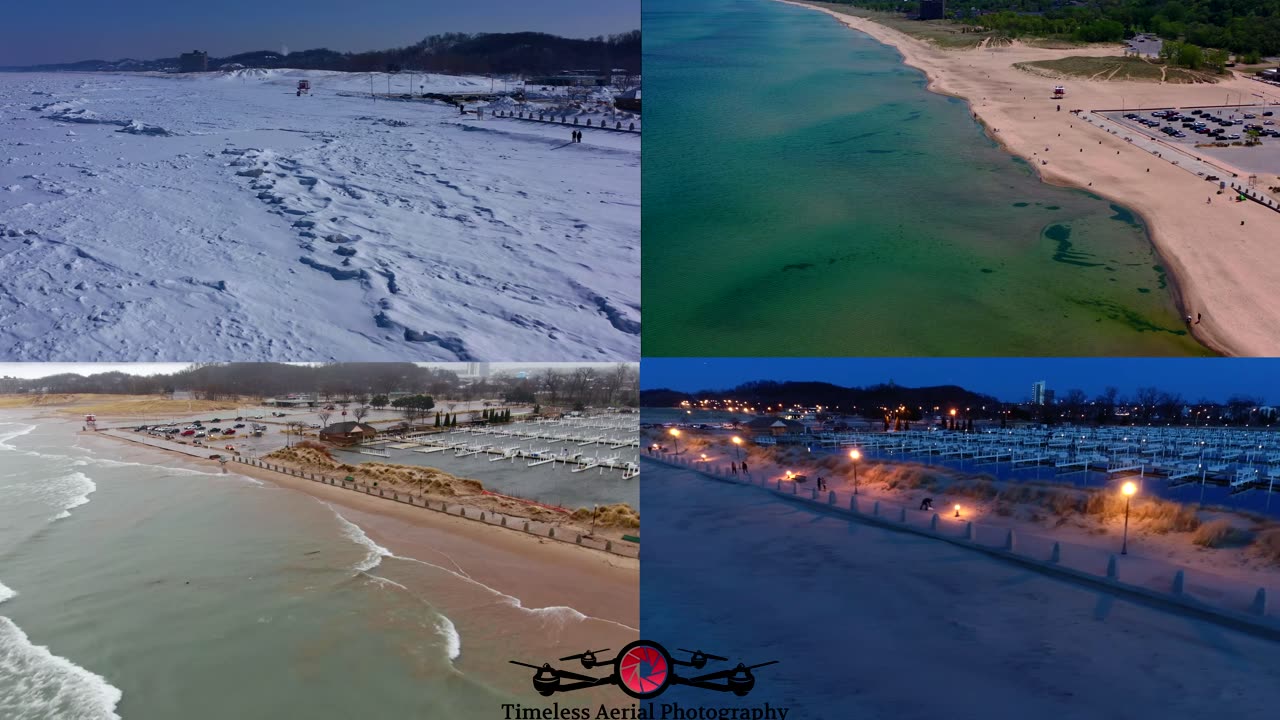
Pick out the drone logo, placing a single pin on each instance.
(644, 669)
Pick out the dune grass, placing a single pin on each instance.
(1116, 68)
(1221, 533)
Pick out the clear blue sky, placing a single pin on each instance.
(1008, 379)
(70, 30)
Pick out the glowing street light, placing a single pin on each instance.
(1129, 488)
(957, 509)
(675, 435)
(855, 456)
(737, 447)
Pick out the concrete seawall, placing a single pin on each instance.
(1163, 585)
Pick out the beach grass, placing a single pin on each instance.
(943, 33)
(104, 404)
(1116, 68)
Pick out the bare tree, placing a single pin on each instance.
(324, 416)
(360, 413)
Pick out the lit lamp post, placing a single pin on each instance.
(855, 456)
(957, 509)
(675, 434)
(1129, 488)
(953, 418)
(737, 447)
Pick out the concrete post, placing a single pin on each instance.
(813, 493)
(1113, 572)
(1259, 606)
(526, 526)
(1009, 542)
(831, 498)
(933, 522)
(795, 488)
(1179, 582)
(875, 509)
(968, 530)
(779, 487)
(853, 503)
(608, 546)
(902, 515)
(503, 523)
(481, 516)
(464, 512)
(551, 533)
(1056, 555)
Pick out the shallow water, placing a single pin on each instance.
(134, 590)
(810, 197)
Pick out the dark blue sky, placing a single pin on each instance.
(1008, 379)
(69, 30)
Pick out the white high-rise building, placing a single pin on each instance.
(478, 369)
(1037, 392)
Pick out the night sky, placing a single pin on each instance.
(1008, 379)
(70, 30)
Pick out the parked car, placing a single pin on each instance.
(201, 434)
(229, 431)
(188, 433)
(239, 425)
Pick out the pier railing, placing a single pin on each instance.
(488, 517)
(1168, 585)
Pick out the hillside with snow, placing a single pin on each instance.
(220, 216)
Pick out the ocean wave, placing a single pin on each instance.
(452, 640)
(6, 592)
(6, 436)
(558, 613)
(83, 486)
(36, 683)
(356, 534)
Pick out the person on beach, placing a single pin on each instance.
(926, 504)
(744, 467)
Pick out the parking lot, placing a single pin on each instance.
(1194, 131)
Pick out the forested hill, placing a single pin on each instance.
(1241, 26)
(526, 53)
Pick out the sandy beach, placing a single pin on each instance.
(1154, 532)
(541, 573)
(1220, 271)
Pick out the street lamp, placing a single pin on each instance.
(675, 434)
(737, 447)
(957, 509)
(854, 455)
(1129, 488)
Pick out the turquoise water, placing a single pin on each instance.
(805, 195)
(150, 592)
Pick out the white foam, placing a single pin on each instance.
(452, 640)
(356, 534)
(83, 486)
(558, 613)
(35, 683)
(6, 592)
(6, 436)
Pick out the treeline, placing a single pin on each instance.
(1249, 28)
(868, 401)
(525, 53)
(890, 402)
(564, 386)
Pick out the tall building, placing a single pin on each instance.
(478, 369)
(932, 9)
(194, 61)
(1038, 392)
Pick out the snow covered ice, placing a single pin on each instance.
(221, 216)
